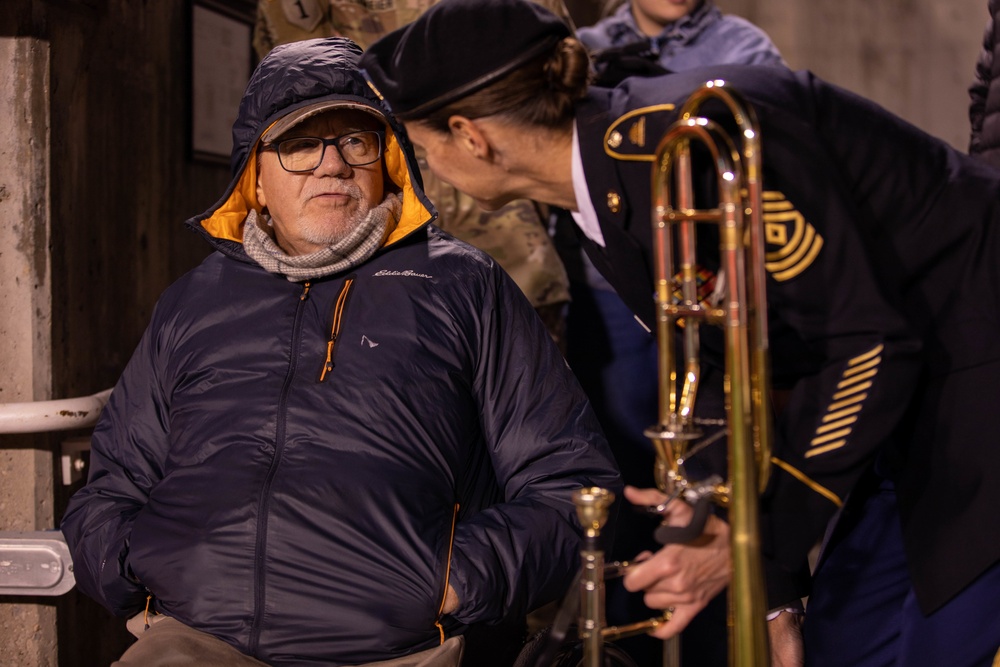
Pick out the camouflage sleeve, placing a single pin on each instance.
(514, 235)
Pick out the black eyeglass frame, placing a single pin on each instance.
(275, 146)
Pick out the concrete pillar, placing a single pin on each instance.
(27, 626)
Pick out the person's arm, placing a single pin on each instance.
(839, 414)
(127, 449)
(840, 345)
(544, 442)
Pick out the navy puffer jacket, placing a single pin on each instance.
(302, 469)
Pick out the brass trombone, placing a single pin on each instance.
(740, 310)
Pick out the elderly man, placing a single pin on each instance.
(346, 436)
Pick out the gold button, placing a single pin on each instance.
(614, 201)
(615, 139)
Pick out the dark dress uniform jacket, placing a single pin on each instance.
(883, 261)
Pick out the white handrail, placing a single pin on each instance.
(59, 415)
(39, 562)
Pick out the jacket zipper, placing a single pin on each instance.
(279, 444)
(338, 315)
(447, 574)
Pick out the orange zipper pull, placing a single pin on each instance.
(328, 366)
(338, 313)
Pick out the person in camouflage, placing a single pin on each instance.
(514, 235)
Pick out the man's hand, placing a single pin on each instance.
(684, 577)
(785, 633)
(450, 601)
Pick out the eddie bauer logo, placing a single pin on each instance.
(407, 272)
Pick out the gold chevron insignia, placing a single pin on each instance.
(847, 402)
(797, 241)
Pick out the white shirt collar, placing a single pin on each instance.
(585, 215)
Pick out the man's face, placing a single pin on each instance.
(314, 209)
(653, 15)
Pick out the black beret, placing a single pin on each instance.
(456, 48)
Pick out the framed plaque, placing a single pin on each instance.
(221, 64)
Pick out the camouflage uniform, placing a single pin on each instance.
(363, 21)
(515, 235)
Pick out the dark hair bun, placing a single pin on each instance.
(568, 68)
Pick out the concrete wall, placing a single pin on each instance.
(26, 495)
(914, 57)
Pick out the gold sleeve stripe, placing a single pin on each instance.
(834, 425)
(850, 382)
(853, 390)
(825, 448)
(848, 400)
(854, 409)
(862, 367)
(866, 356)
(842, 404)
(773, 195)
(802, 477)
(823, 439)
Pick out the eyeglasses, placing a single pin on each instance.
(302, 154)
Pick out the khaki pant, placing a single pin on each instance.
(170, 643)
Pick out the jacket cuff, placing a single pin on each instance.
(122, 592)
(784, 588)
(469, 578)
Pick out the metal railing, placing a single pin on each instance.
(60, 415)
(38, 562)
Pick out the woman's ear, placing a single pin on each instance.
(469, 135)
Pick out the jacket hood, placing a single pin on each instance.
(290, 77)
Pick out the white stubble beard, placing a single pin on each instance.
(323, 234)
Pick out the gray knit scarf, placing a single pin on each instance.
(360, 244)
